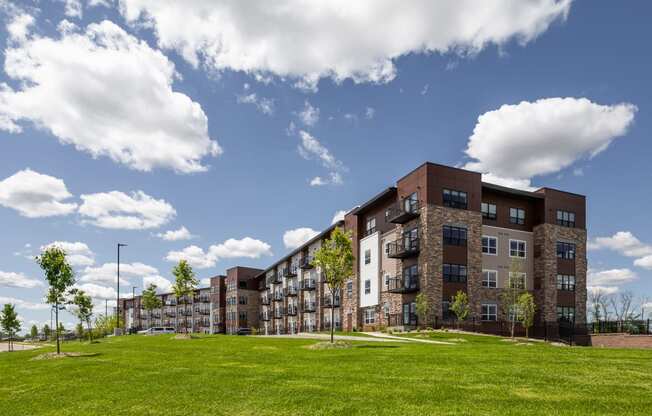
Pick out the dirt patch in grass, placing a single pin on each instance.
(185, 336)
(337, 345)
(55, 356)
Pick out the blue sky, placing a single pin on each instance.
(575, 81)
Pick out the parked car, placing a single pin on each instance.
(158, 330)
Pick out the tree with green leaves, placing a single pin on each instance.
(79, 331)
(460, 306)
(9, 323)
(60, 278)
(33, 332)
(526, 308)
(150, 301)
(184, 286)
(83, 310)
(423, 308)
(335, 261)
(510, 295)
(47, 331)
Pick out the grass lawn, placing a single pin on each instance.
(139, 375)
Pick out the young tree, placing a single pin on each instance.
(460, 306)
(79, 330)
(150, 301)
(184, 286)
(596, 299)
(335, 260)
(83, 310)
(60, 278)
(422, 308)
(33, 332)
(510, 295)
(526, 308)
(46, 331)
(9, 323)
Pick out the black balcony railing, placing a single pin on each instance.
(263, 284)
(306, 262)
(328, 302)
(276, 278)
(278, 296)
(403, 319)
(170, 314)
(291, 291)
(403, 284)
(308, 284)
(278, 313)
(327, 325)
(403, 247)
(403, 211)
(265, 316)
(204, 298)
(309, 306)
(290, 271)
(292, 310)
(265, 300)
(309, 327)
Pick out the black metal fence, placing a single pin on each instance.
(632, 327)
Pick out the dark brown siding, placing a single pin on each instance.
(504, 202)
(443, 177)
(565, 201)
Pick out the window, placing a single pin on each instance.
(243, 285)
(455, 199)
(489, 245)
(513, 312)
(349, 289)
(243, 315)
(242, 300)
(386, 309)
(565, 313)
(565, 282)
(446, 312)
(565, 218)
(367, 287)
(565, 250)
(411, 203)
(454, 273)
(488, 211)
(517, 280)
(369, 316)
(517, 248)
(371, 225)
(386, 280)
(411, 276)
(455, 236)
(489, 312)
(517, 216)
(386, 248)
(489, 278)
(410, 313)
(367, 256)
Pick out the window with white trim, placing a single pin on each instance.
(367, 256)
(367, 287)
(489, 312)
(517, 280)
(489, 245)
(517, 248)
(489, 278)
(369, 316)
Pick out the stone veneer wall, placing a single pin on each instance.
(545, 269)
(432, 220)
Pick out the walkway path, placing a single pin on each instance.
(17, 347)
(381, 335)
(369, 336)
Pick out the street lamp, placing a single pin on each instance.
(117, 304)
(133, 307)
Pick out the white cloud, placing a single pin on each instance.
(612, 277)
(205, 281)
(77, 253)
(19, 26)
(176, 235)
(231, 248)
(163, 285)
(339, 216)
(318, 181)
(23, 304)
(369, 113)
(117, 210)
(606, 290)
(311, 148)
(309, 116)
(335, 178)
(264, 105)
(425, 89)
(105, 3)
(623, 242)
(645, 262)
(517, 142)
(106, 93)
(11, 279)
(305, 44)
(72, 8)
(98, 291)
(295, 238)
(108, 272)
(35, 195)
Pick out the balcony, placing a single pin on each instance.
(263, 284)
(309, 327)
(276, 278)
(265, 300)
(308, 284)
(328, 302)
(306, 262)
(403, 284)
(170, 314)
(278, 296)
(278, 313)
(290, 271)
(292, 310)
(403, 319)
(309, 307)
(291, 291)
(327, 325)
(403, 211)
(403, 248)
(205, 299)
(265, 316)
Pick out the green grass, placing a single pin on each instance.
(212, 375)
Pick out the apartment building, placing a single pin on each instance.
(436, 231)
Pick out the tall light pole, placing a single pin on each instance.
(117, 295)
(133, 306)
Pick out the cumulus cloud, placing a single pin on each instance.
(36, 195)
(117, 210)
(107, 273)
(339, 216)
(262, 104)
(516, 142)
(310, 148)
(623, 242)
(72, 8)
(309, 116)
(176, 235)
(19, 280)
(19, 27)
(96, 291)
(334, 178)
(305, 44)
(645, 262)
(163, 285)
(23, 304)
(231, 248)
(605, 290)
(106, 93)
(77, 253)
(295, 238)
(612, 277)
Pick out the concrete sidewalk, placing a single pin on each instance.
(326, 337)
(4, 347)
(381, 335)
